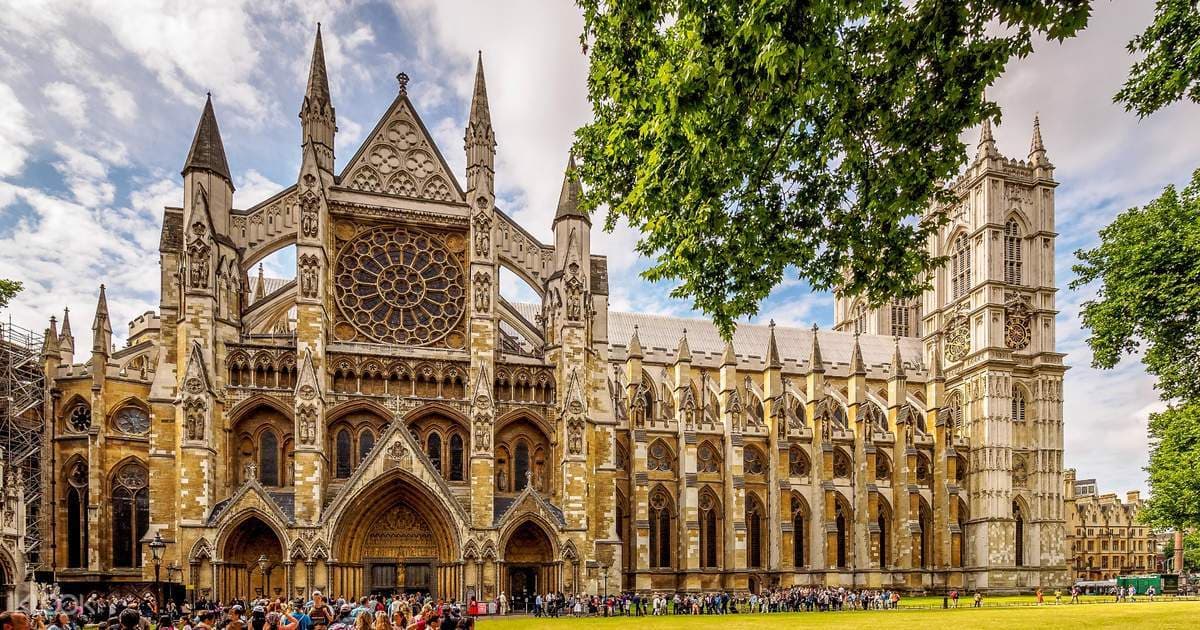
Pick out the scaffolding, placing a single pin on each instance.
(22, 392)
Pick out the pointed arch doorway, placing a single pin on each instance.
(529, 566)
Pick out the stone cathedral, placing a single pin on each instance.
(388, 421)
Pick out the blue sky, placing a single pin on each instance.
(99, 100)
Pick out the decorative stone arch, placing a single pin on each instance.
(524, 414)
(245, 407)
(298, 552)
(504, 535)
(754, 460)
(884, 522)
(712, 529)
(526, 275)
(121, 405)
(954, 231)
(68, 408)
(231, 521)
(841, 544)
(201, 550)
(245, 537)
(709, 457)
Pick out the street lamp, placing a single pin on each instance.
(604, 569)
(157, 546)
(262, 568)
(173, 569)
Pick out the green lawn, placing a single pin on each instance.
(1139, 615)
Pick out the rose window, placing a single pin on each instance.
(132, 420)
(958, 340)
(398, 285)
(81, 417)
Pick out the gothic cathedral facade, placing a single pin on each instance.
(388, 421)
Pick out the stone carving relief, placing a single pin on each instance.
(483, 291)
(310, 269)
(401, 160)
(309, 207)
(306, 417)
(195, 412)
(958, 339)
(483, 234)
(1017, 324)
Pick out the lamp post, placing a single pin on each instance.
(157, 546)
(604, 569)
(173, 570)
(262, 568)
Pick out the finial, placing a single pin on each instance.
(402, 79)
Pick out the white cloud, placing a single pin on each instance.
(15, 134)
(68, 101)
(254, 187)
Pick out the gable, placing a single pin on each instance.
(399, 158)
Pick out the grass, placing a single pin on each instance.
(1156, 615)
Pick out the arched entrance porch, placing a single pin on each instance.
(240, 574)
(529, 563)
(396, 538)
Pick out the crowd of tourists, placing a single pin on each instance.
(795, 599)
(398, 612)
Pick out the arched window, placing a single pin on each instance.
(884, 540)
(433, 448)
(456, 458)
(900, 319)
(520, 466)
(960, 267)
(754, 516)
(962, 536)
(344, 454)
(710, 529)
(77, 518)
(366, 442)
(660, 457)
(1018, 405)
(841, 535)
(798, 464)
(798, 531)
(660, 530)
(841, 464)
(707, 460)
(268, 458)
(1012, 252)
(752, 461)
(130, 513)
(860, 318)
(925, 521)
(1019, 534)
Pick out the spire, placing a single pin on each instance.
(101, 328)
(481, 115)
(684, 353)
(568, 199)
(635, 345)
(987, 144)
(773, 362)
(66, 327)
(818, 364)
(50, 347)
(730, 356)
(260, 287)
(317, 93)
(479, 139)
(935, 370)
(207, 152)
(857, 366)
(1037, 150)
(897, 361)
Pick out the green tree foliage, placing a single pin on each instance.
(1148, 264)
(746, 137)
(8, 290)
(1170, 70)
(1174, 460)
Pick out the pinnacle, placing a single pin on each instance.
(480, 112)
(730, 356)
(685, 352)
(317, 92)
(568, 199)
(635, 345)
(897, 361)
(207, 152)
(987, 143)
(815, 360)
(773, 361)
(857, 366)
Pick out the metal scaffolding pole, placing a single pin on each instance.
(22, 391)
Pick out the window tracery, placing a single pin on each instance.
(130, 513)
(960, 267)
(133, 420)
(1012, 252)
(707, 460)
(81, 417)
(841, 464)
(659, 457)
(401, 285)
(798, 464)
(752, 461)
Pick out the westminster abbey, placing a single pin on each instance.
(388, 421)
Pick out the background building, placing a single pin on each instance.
(389, 420)
(1104, 539)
